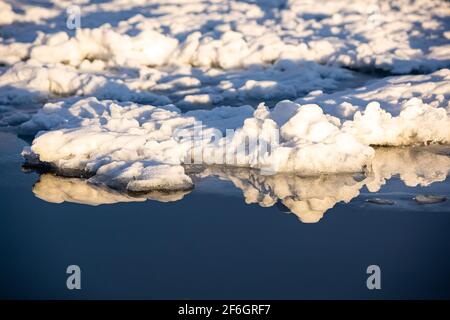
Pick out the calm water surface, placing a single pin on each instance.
(212, 244)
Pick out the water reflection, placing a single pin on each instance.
(307, 197)
(58, 189)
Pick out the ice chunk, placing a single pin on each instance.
(417, 123)
(429, 199)
(33, 82)
(91, 134)
(393, 94)
(381, 201)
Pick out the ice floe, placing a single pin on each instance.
(92, 135)
(118, 86)
(187, 87)
(211, 52)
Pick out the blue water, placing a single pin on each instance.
(211, 244)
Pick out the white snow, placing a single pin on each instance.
(400, 36)
(92, 135)
(212, 51)
(111, 97)
(33, 82)
(391, 92)
(185, 86)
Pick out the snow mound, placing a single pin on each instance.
(33, 82)
(397, 36)
(133, 146)
(202, 54)
(392, 93)
(105, 138)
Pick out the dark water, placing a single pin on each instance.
(211, 244)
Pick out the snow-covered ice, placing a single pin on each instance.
(125, 142)
(184, 86)
(122, 96)
(399, 36)
(209, 52)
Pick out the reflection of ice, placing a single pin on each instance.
(310, 197)
(307, 197)
(429, 199)
(415, 166)
(58, 189)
